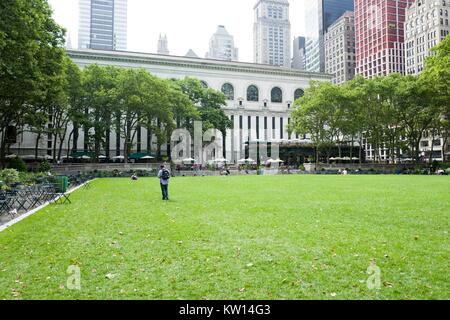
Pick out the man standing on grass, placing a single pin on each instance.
(164, 176)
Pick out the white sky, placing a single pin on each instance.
(189, 24)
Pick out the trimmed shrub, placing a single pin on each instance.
(9, 176)
(44, 166)
(18, 164)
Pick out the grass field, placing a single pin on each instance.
(252, 237)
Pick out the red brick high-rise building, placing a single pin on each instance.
(379, 28)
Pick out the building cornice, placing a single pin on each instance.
(192, 63)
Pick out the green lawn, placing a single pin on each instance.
(252, 237)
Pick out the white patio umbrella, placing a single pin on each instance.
(188, 160)
(249, 160)
(118, 158)
(220, 160)
(102, 157)
(355, 158)
(275, 161)
(30, 157)
(147, 158)
(11, 156)
(85, 157)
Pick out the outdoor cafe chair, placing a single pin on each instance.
(6, 203)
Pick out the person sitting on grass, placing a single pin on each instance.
(164, 176)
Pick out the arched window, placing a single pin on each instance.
(204, 84)
(276, 95)
(228, 91)
(252, 93)
(298, 93)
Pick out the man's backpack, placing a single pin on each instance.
(165, 175)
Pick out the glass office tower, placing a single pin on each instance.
(319, 15)
(103, 24)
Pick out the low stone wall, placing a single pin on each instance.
(66, 169)
(388, 168)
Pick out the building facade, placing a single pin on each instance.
(319, 16)
(379, 28)
(427, 24)
(259, 98)
(272, 33)
(103, 24)
(340, 56)
(299, 54)
(163, 46)
(221, 46)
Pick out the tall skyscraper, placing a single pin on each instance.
(272, 33)
(319, 15)
(298, 57)
(340, 57)
(103, 24)
(379, 28)
(221, 46)
(427, 24)
(163, 47)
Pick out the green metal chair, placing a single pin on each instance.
(61, 187)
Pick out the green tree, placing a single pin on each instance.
(392, 100)
(436, 75)
(75, 97)
(417, 111)
(209, 103)
(318, 114)
(99, 101)
(355, 123)
(31, 54)
(141, 97)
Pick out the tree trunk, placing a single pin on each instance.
(339, 149)
(61, 142)
(317, 159)
(149, 139)
(68, 142)
(3, 150)
(432, 148)
(351, 147)
(444, 145)
(125, 147)
(108, 142)
(360, 148)
(75, 137)
(36, 146)
(169, 150)
(55, 139)
(127, 142)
